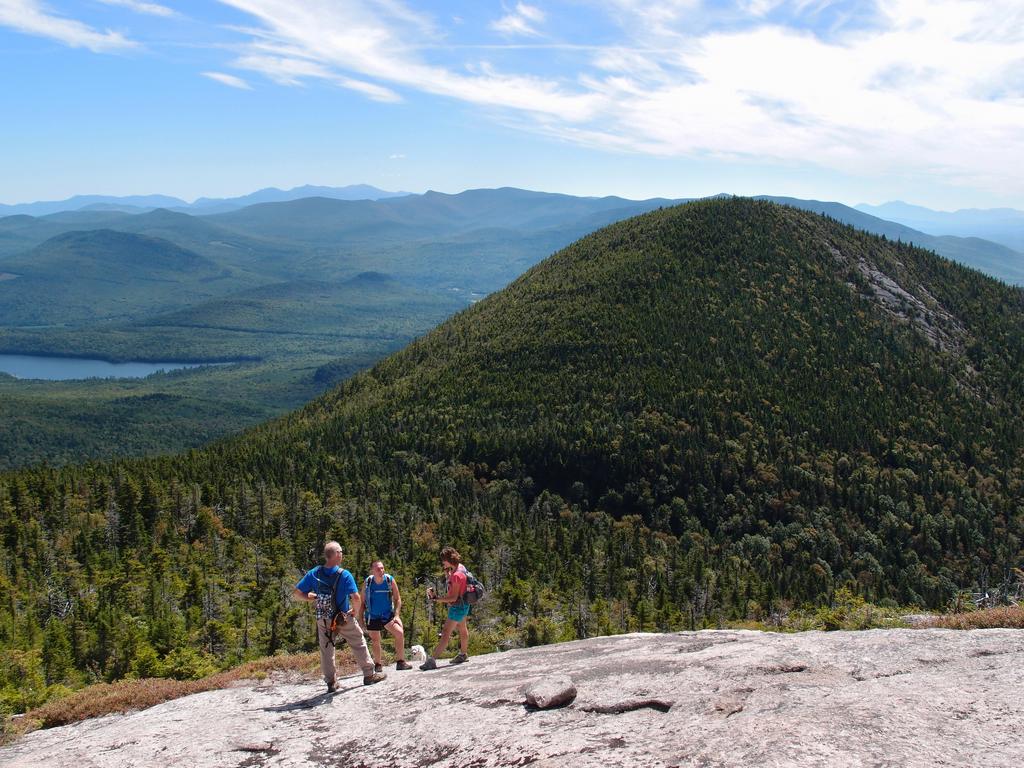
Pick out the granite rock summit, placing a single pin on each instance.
(711, 698)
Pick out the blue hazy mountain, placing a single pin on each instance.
(143, 203)
(275, 195)
(1001, 225)
(478, 239)
(320, 220)
(132, 202)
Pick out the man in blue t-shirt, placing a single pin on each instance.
(383, 611)
(334, 591)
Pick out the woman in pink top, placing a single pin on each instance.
(458, 609)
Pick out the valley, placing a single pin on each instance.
(295, 294)
(723, 411)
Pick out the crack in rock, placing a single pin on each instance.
(265, 747)
(702, 645)
(630, 705)
(860, 678)
(783, 669)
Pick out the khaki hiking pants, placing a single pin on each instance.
(356, 641)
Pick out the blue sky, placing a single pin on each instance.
(921, 100)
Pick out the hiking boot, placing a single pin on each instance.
(376, 677)
(460, 659)
(403, 665)
(429, 664)
(332, 687)
(378, 668)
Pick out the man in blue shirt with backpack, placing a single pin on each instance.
(383, 609)
(334, 591)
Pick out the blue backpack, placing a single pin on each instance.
(368, 590)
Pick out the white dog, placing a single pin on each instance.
(416, 653)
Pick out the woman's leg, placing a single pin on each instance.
(446, 635)
(464, 636)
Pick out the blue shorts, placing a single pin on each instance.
(458, 612)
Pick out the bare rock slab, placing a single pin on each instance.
(551, 693)
(716, 699)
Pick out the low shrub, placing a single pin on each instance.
(131, 695)
(1006, 616)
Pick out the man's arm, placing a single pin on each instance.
(303, 597)
(355, 605)
(396, 598)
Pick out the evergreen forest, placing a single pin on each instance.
(711, 412)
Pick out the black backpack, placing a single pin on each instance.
(474, 589)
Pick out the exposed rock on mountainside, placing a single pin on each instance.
(927, 314)
(713, 698)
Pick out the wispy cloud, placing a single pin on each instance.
(380, 40)
(33, 18)
(151, 9)
(226, 79)
(521, 21)
(292, 68)
(923, 87)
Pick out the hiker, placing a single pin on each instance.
(334, 591)
(458, 608)
(382, 606)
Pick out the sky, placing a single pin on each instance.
(918, 100)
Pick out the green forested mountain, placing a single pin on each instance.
(103, 274)
(992, 258)
(706, 412)
(279, 289)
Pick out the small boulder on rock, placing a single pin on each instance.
(551, 692)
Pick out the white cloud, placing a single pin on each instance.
(33, 18)
(151, 9)
(226, 79)
(292, 68)
(396, 156)
(927, 88)
(379, 40)
(374, 91)
(521, 21)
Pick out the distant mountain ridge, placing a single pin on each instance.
(143, 203)
(321, 220)
(473, 224)
(275, 195)
(1001, 225)
(92, 202)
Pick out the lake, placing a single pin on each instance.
(66, 368)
